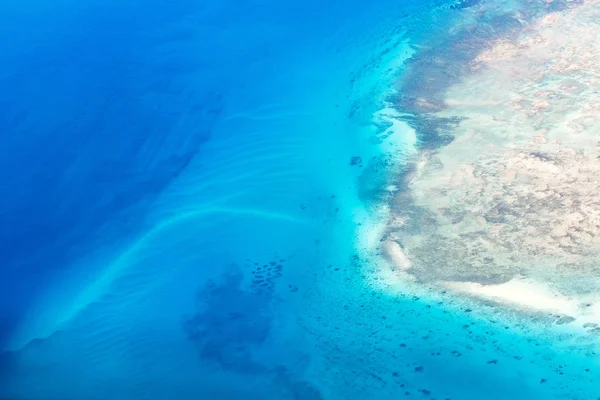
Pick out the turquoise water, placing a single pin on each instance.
(185, 187)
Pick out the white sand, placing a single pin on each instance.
(521, 292)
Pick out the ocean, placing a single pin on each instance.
(194, 199)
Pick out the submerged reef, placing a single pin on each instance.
(234, 321)
(502, 201)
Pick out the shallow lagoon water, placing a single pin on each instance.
(187, 190)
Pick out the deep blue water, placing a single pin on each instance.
(180, 209)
